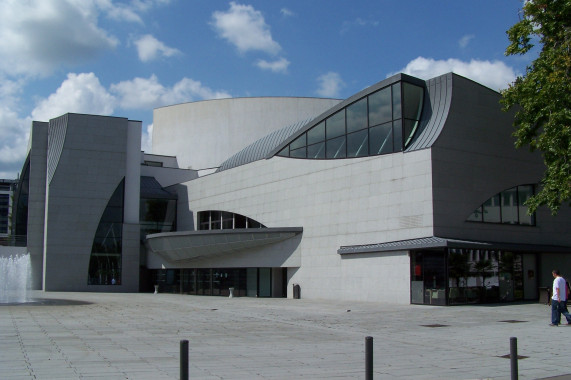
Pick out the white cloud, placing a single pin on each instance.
(245, 28)
(148, 93)
(147, 139)
(79, 93)
(286, 12)
(465, 40)
(277, 66)
(36, 36)
(493, 74)
(148, 48)
(330, 85)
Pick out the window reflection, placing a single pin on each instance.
(335, 125)
(357, 116)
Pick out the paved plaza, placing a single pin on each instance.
(137, 336)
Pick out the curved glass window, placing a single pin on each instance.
(105, 261)
(507, 207)
(223, 220)
(375, 124)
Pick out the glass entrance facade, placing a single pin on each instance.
(462, 276)
(247, 282)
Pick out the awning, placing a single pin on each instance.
(191, 245)
(438, 242)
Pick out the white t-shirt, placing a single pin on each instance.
(559, 282)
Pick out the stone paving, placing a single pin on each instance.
(137, 336)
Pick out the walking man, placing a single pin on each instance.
(559, 300)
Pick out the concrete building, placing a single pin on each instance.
(409, 191)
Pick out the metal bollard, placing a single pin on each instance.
(513, 357)
(369, 358)
(184, 360)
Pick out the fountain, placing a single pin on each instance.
(15, 278)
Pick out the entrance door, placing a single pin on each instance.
(428, 275)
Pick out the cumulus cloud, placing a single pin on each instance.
(277, 66)
(286, 12)
(36, 36)
(79, 93)
(330, 85)
(493, 74)
(147, 93)
(149, 48)
(245, 28)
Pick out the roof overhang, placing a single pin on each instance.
(434, 242)
(191, 245)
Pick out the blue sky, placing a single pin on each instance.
(125, 58)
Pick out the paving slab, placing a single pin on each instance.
(137, 336)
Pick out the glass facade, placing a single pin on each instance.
(463, 276)
(105, 260)
(223, 220)
(372, 125)
(247, 282)
(507, 207)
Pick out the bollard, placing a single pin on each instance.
(513, 357)
(369, 358)
(184, 360)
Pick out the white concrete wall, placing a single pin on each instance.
(231, 125)
(337, 202)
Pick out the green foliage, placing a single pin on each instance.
(542, 97)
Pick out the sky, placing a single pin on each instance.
(125, 58)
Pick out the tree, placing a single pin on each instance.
(542, 97)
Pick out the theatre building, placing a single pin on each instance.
(410, 191)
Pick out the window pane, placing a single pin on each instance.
(227, 220)
(284, 152)
(316, 150)
(412, 99)
(253, 224)
(215, 220)
(524, 193)
(357, 116)
(204, 220)
(239, 221)
(491, 209)
(316, 134)
(336, 148)
(476, 216)
(509, 206)
(381, 139)
(397, 132)
(298, 153)
(380, 107)
(335, 125)
(358, 144)
(397, 114)
(298, 143)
